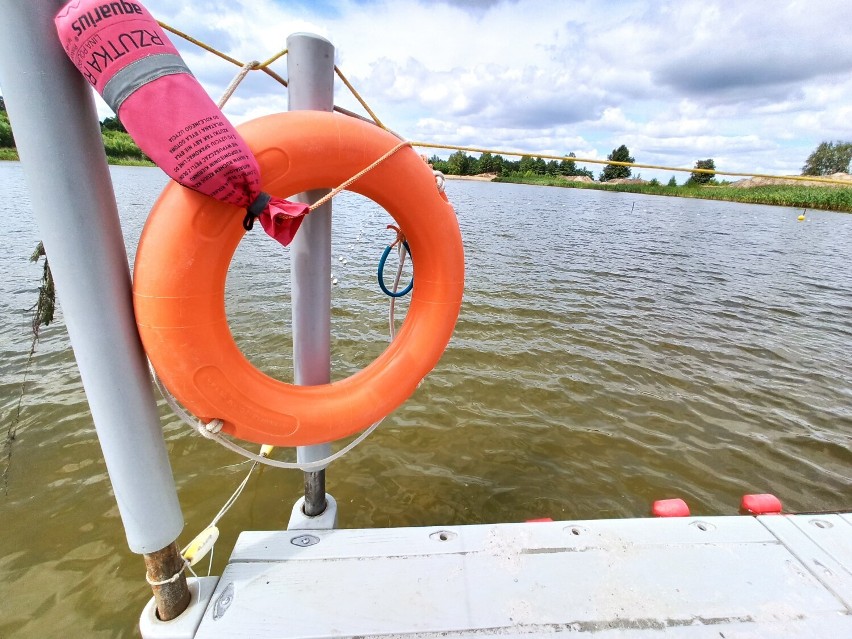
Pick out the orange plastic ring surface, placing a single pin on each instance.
(186, 249)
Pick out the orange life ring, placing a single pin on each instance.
(186, 248)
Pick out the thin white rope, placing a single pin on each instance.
(391, 321)
(212, 429)
(210, 563)
(170, 580)
(233, 498)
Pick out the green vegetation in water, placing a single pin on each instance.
(810, 197)
(43, 311)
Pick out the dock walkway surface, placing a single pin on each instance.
(723, 577)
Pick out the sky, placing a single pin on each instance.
(756, 85)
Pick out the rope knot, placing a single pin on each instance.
(400, 236)
(212, 428)
(170, 580)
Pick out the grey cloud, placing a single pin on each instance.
(521, 111)
(698, 75)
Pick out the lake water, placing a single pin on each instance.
(612, 349)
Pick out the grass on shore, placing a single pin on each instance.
(119, 147)
(11, 155)
(807, 197)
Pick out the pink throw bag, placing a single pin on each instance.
(125, 55)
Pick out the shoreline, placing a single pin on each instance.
(806, 196)
(768, 192)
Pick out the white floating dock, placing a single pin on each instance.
(722, 577)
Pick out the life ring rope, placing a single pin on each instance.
(336, 191)
(212, 431)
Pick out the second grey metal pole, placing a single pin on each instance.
(310, 68)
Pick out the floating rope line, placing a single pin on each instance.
(358, 97)
(261, 67)
(266, 63)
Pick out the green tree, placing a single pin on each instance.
(527, 165)
(612, 171)
(540, 166)
(472, 166)
(438, 164)
(458, 163)
(112, 124)
(6, 137)
(497, 164)
(828, 158)
(672, 181)
(568, 167)
(486, 161)
(702, 178)
(552, 168)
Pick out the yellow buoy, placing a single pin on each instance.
(801, 218)
(203, 543)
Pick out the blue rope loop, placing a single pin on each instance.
(381, 275)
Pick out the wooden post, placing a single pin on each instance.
(168, 581)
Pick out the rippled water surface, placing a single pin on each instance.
(612, 349)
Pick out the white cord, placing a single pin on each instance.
(211, 431)
(391, 322)
(171, 579)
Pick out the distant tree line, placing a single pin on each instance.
(461, 163)
(826, 159)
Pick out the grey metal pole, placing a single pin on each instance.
(56, 128)
(310, 68)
